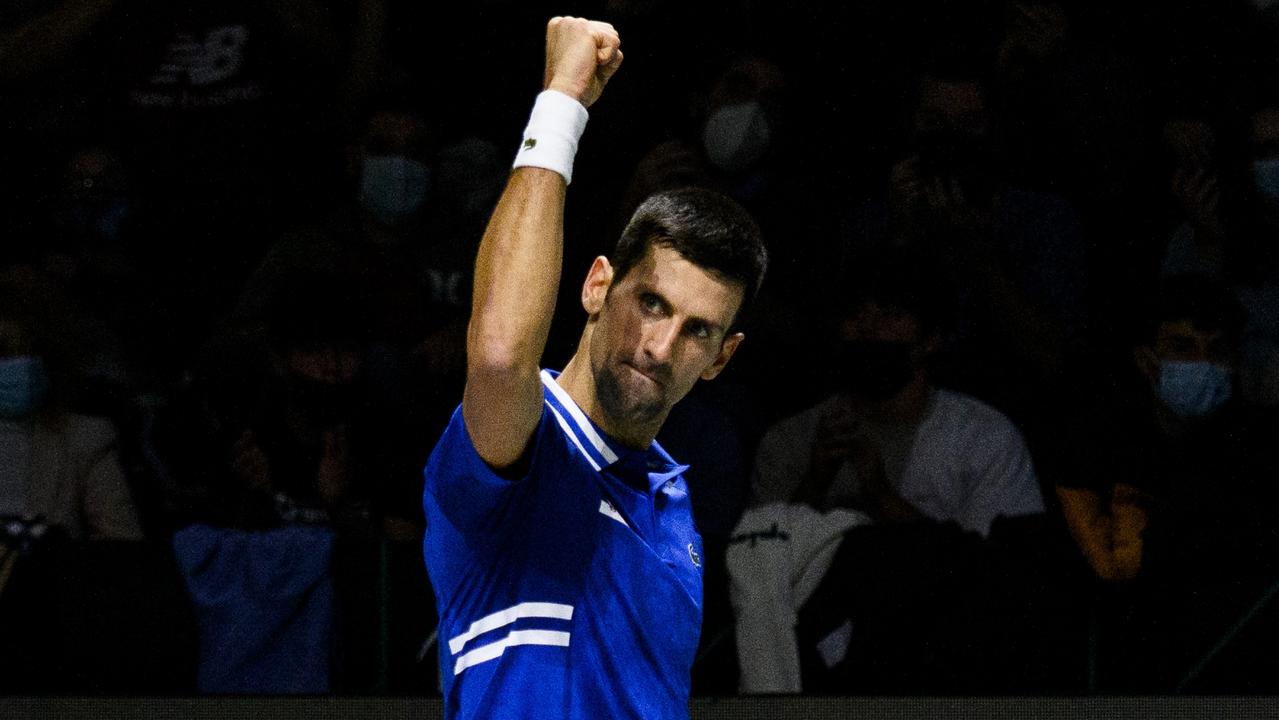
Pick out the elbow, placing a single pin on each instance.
(493, 355)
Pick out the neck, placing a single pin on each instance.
(578, 380)
(909, 405)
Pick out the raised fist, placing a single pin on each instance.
(581, 56)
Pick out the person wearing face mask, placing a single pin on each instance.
(393, 188)
(1171, 503)
(57, 468)
(1186, 362)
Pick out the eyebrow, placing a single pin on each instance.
(711, 326)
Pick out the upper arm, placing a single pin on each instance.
(501, 408)
(108, 509)
(1005, 482)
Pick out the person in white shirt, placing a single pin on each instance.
(888, 442)
(887, 446)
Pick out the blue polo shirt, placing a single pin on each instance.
(574, 591)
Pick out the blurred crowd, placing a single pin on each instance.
(1006, 419)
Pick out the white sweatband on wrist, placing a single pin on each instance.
(554, 127)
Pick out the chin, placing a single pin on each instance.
(634, 400)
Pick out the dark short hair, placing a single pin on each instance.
(1205, 302)
(310, 310)
(904, 279)
(707, 228)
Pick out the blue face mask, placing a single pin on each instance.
(1266, 174)
(393, 187)
(23, 384)
(1194, 389)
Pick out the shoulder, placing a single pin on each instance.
(84, 434)
(953, 403)
(958, 410)
(799, 427)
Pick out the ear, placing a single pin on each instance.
(598, 280)
(726, 350)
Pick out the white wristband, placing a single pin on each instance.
(554, 127)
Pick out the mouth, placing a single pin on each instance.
(644, 375)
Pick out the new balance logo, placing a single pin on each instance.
(216, 57)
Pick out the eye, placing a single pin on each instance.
(651, 303)
(698, 330)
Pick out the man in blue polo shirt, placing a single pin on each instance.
(559, 539)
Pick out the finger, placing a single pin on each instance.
(608, 55)
(603, 33)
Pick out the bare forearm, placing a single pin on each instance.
(517, 272)
(516, 280)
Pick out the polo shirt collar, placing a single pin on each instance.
(604, 452)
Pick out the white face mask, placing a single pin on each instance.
(23, 384)
(736, 136)
(393, 187)
(1194, 389)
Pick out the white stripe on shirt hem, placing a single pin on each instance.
(500, 618)
(492, 651)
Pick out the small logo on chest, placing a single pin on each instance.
(695, 556)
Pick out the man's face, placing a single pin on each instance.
(1188, 368)
(951, 106)
(395, 133)
(882, 352)
(1183, 341)
(872, 321)
(322, 383)
(657, 331)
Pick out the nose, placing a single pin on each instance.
(659, 341)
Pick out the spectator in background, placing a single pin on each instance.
(1258, 268)
(744, 138)
(279, 456)
(94, 222)
(889, 442)
(401, 240)
(57, 467)
(1068, 96)
(934, 468)
(1225, 194)
(1016, 257)
(1174, 492)
(216, 106)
